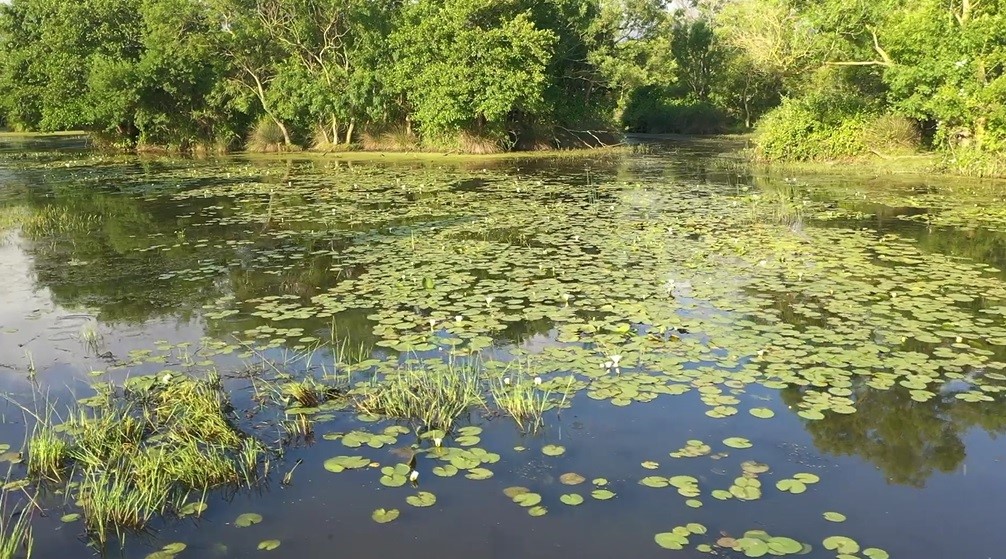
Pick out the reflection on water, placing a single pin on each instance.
(131, 248)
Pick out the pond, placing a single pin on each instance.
(661, 352)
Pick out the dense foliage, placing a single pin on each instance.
(285, 73)
(819, 79)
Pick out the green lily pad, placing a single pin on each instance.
(247, 519)
(479, 474)
(537, 511)
(514, 491)
(553, 450)
(737, 442)
(834, 517)
(421, 499)
(72, 517)
(875, 553)
(268, 545)
(762, 413)
(571, 499)
(342, 463)
(527, 499)
(383, 516)
(602, 494)
(791, 486)
(671, 540)
(654, 481)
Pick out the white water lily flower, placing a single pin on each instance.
(615, 359)
(458, 318)
(608, 364)
(537, 381)
(413, 476)
(489, 299)
(437, 441)
(506, 381)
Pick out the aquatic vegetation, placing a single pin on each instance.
(16, 534)
(143, 453)
(435, 394)
(520, 395)
(48, 452)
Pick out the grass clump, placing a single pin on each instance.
(434, 393)
(524, 397)
(142, 454)
(15, 530)
(48, 452)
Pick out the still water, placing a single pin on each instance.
(846, 331)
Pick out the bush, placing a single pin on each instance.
(265, 137)
(830, 125)
(649, 113)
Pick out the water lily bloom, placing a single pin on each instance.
(615, 359)
(608, 364)
(437, 441)
(458, 318)
(537, 381)
(489, 299)
(506, 381)
(413, 476)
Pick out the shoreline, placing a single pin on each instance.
(732, 147)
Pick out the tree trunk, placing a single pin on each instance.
(335, 130)
(349, 131)
(286, 133)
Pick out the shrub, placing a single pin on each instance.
(828, 125)
(651, 114)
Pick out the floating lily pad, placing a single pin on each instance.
(671, 540)
(875, 553)
(834, 517)
(654, 481)
(553, 450)
(342, 463)
(514, 491)
(841, 544)
(602, 494)
(537, 511)
(383, 516)
(72, 517)
(791, 486)
(762, 413)
(247, 519)
(422, 499)
(571, 478)
(527, 499)
(571, 499)
(268, 545)
(737, 442)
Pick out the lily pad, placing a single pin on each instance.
(602, 494)
(268, 545)
(247, 519)
(571, 499)
(421, 499)
(737, 442)
(553, 450)
(834, 517)
(571, 478)
(383, 516)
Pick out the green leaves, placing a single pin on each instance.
(383, 516)
(571, 499)
(247, 519)
(342, 463)
(422, 499)
(553, 450)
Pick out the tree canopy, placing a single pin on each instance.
(819, 79)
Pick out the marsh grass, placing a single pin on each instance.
(15, 529)
(142, 454)
(520, 395)
(51, 221)
(434, 393)
(91, 338)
